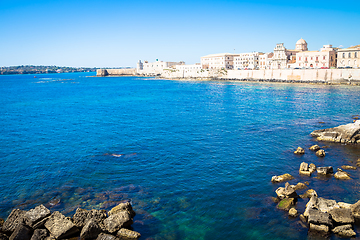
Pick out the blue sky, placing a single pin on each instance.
(118, 33)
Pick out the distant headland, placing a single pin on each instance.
(31, 69)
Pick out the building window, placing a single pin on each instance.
(317, 58)
(343, 55)
(355, 54)
(324, 58)
(349, 55)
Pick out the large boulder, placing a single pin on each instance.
(281, 178)
(105, 236)
(91, 230)
(35, 215)
(59, 226)
(312, 204)
(40, 234)
(349, 133)
(81, 216)
(21, 232)
(325, 205)
(126, 234)
(342, 216)
(319, 218)
(117, 221)
(355, 209)
(123, 207)
(344, 231)
(286, 192)
(15, 218)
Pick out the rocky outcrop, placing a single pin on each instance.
(306, 169)
(349, 133)
(325, 170)
(344, 231)
(40, 224)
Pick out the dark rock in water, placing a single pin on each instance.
(15, 218)
(344, 231)
(40, 234)
(324, 170)
(123, 207)
(319, 218)
(104, 236)
(342, 216)
(3, 237)
(81, 216)
(286, 204)
(126, 234)
(21, 232)
(299, 151)
(35, 215)
(349, 133)
(117, 221)
(59, 226)
(91, 230)
(320, 153)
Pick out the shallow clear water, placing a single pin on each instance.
(194, 158)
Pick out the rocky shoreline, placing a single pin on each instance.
(321, 216)
(40, 224)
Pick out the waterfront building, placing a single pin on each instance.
(245, 61)
(218, 61)
(349, 57)
(265, 60)
(286, 58)
(155, 68)
(325, 58)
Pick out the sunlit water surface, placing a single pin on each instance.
(195, 158)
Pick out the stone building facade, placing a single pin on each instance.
(325, 58)
(246, 61)
(155, 68)
(349, 57)
(218, 61)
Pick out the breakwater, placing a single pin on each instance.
(116, 72)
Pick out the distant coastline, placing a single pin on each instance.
(30, 69)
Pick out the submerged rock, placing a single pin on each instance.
(347, 167)
(349, 133)
(286, 204)
(299, 151)
(281, 178)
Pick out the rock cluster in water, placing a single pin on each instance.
(321, 215)
(40, 224)
(349, 133)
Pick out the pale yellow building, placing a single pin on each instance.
(265, 60)
(218, 61)
(155, 68)
(349, 57)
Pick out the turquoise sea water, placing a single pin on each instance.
(194, 158)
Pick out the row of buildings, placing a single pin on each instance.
(281, 58)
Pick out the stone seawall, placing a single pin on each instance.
(277, 75)
(307, 75)
(116, 72)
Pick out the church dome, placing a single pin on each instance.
(301, 41)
